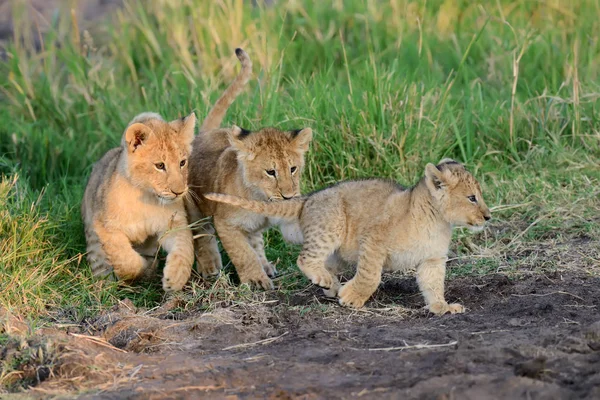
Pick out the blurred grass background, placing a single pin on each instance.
(510, 87)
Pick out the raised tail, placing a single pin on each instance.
(285, 209)
(215, 116)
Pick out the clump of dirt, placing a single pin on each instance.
(26, 362)
(64, 362)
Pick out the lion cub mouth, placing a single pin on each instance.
(278, 197)
(476, 228)
(167, 198)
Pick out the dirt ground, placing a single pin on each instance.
(536, 337)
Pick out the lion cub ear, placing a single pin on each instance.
(185, 127)
(448, 161)
(434, 178)
(301, 138)
(188, 127)
(236, 140)
(136, 135)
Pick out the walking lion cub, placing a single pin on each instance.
(133, 202)
(378, 225)
(262, 165)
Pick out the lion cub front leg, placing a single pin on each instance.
(357, 291)
(245, 260)
(206, 248)
(127, 263)
(179, 244)
(207, 254)
(258, 244)
(430, 278)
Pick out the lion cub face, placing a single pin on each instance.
(271, 160)
(157, 153)
(458, 194)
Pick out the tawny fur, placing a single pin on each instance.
(239, 162)
(378, 225)
(133, 202)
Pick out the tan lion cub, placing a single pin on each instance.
(378, 225)
(133, 202)
(262, 165)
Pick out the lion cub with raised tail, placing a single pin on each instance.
(262, 165)
(133, 202)
(378, 225)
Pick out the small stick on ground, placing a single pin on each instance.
(260, 342)
(548, 294)
(407, 347)
(98, 341)
(205, 388)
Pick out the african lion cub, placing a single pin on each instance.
(133, 202)
(262, 165)
(378, 225)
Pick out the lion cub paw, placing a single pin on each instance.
(322, 278)
(208, 270)
(209, 265)
(332, 291)
(259, 279)
(270, 269)
(133, 269)
(349, 297)
(441, 308)
(175, 275)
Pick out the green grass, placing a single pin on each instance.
(386, 85)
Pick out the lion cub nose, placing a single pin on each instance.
(487, 217)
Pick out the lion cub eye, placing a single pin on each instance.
(271, 172)
(182, 163)
(472, 199)
(293, 169)
(160, 166)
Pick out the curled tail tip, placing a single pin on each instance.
(243, 57)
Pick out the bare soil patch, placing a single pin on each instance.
(530, 338)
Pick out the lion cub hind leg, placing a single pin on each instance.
(258, 244)
(430, 278)
(242, 255)
(335, 265)
(357, 290)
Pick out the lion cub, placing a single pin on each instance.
(133, 202)
(262, 165)
(378, 225)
